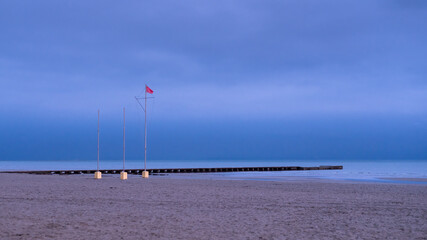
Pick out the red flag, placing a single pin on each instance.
(147, 89)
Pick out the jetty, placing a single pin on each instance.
(182, 170)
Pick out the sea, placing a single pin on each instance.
(353, 170)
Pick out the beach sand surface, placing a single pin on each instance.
(80, 207)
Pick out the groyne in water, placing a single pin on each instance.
(182, 170)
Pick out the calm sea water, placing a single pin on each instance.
(353, 169)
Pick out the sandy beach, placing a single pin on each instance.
(79, 207)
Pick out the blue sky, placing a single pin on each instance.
(232, 79)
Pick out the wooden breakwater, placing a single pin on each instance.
(182, 170)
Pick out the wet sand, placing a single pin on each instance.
(79, 207)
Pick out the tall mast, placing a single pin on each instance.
(124, 137)
(145, 133)
(97, 162)
(147, 89)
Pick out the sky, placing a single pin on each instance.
(307, 79)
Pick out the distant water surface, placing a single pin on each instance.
(353, 169)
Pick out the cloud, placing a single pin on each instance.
(344, 79)
(224, 59)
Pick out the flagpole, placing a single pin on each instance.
(123, 174)
(98, 174)
(145, 133)
(124, 135)
(145, 173)
(97, 162)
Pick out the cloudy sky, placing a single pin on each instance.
(306, 79)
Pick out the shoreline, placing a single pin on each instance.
(408, 179)
(257, 176)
